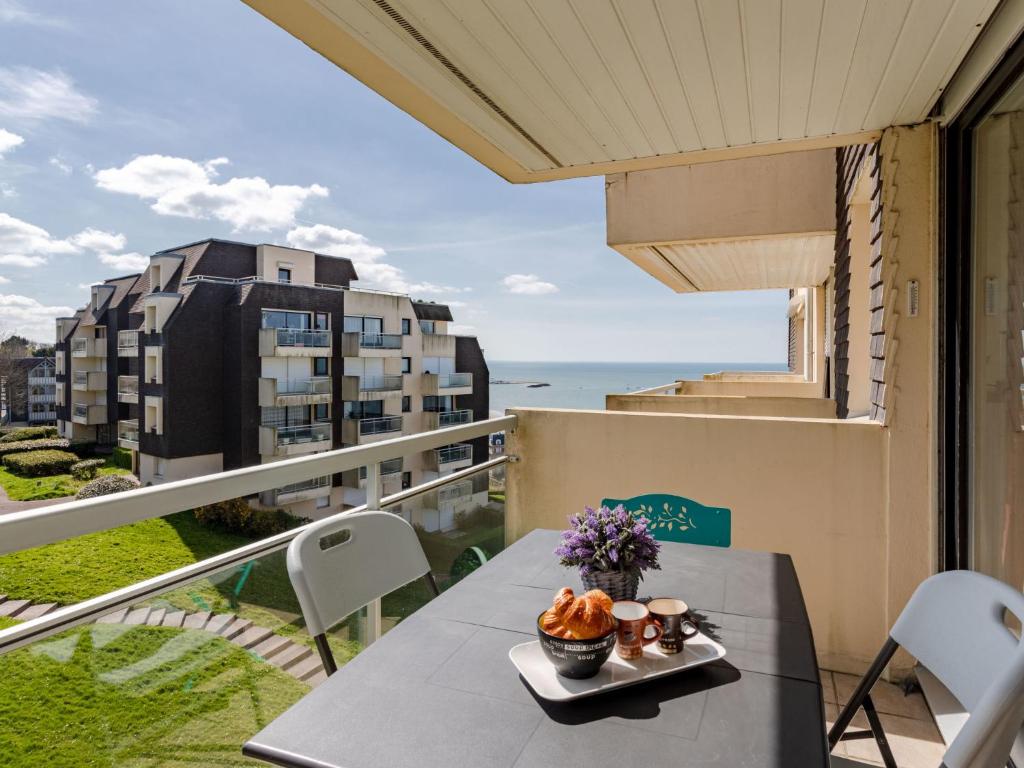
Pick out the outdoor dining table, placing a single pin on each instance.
(439, 689)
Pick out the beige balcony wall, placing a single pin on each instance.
(735, 405)
(811, 488)
(301, 263)
(798, 388)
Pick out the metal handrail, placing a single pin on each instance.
(44, 525)
(258, 279)
(87, 611)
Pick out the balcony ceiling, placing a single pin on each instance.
(547, 89)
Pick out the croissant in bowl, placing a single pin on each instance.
(579, 618)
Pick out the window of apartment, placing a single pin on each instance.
(437, 403)
(406, 365)
(359, 324)
(321, 366)
(321, 412)
(284, 275)
(427, 326)
(406, 326)
(406, 480)
(323, 502)
(321, 321)
(406, 403)
(101, 332)
(279, 318)
(285, 416)
(367, 409)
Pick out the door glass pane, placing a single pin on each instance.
(373, 325)
(997, 335)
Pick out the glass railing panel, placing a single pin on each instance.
(387, 382)
(294, 337)
(80, 410)
(380, 340)
(303, 433)
(380, 425)
(450, 380)
(317, 385)
(183, 678)
(452, 453)
(451, 418)
(127, 385)
(128, 429)
(459, 530)
(127, 339)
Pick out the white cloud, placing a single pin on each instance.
(4, 280)
(125, 262)
(60, 165)
(367, 258)
(14, 12)
(6, 190)
(27, 93)
(27, 317)
(98, 240)
(26, 245)
(178, 186)
(9, 141)
(528, 284)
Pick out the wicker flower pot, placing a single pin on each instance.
(618, 585)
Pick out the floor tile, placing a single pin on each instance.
(914, 743)
(888, 698)
(828, 686)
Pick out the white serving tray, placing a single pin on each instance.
(540, 673)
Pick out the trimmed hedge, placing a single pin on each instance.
(84, 448)
(236, 516)
(107, 484)
(121, 458)
(29, 433)
(87, 469)
(59, 444)
(40, 463)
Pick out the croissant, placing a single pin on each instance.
(579, 618)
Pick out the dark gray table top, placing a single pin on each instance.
(439, 689)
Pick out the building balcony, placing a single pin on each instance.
(127, 343)
(447, 383)
(355, 388)
(42, 381)
(441, 419)
(42, 416)
(449, 458)
(371, 430)
(127, 389)
(128, 434)
(355, 344)
(295, 441)
(292, 342)
(438, 345)
(48, 397)
(82, 347)
(308, 490)
(89, 381)
(311, 391)
(84, 413)
(455, 492)
(769, 394)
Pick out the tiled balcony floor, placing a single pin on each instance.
(913, 737)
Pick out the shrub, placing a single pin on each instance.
(40, 463)
(87, 469)
(83, 448)
(107, 484)
(29, 433)
(236, 516)
(122, 458)
(21, 446)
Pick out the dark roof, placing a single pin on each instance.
(430, 310)
(25, 364)
(122, 287)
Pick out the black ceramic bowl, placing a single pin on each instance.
(577, 659)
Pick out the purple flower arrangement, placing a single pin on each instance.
(606, 541)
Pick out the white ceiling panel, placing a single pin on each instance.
(544, 89)
(738, 265)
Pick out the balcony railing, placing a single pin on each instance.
(48, 397)
(127, 343)
(454, 492)
(304, 433)
(379, 425)
(41, 381)
(385, 383)
(438, 419)
(454, 453)
(128, 386)
(292, 337)
(80, 346)
(454, 380)
(317, 385)
(380, 340)
(128, 432)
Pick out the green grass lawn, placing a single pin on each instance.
(20, 488)
(110, 695)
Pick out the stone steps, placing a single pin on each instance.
(298, 660)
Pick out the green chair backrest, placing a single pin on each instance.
(676, 518)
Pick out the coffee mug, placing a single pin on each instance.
(634, 620)
(677, 626)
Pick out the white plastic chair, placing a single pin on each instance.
(953, 625)
(341, 564)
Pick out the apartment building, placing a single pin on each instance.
(222, 355)
(29, 390)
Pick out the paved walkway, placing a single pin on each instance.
(298, 660)
(8, 505)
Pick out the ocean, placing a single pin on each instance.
(584, 385)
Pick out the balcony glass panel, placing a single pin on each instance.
(303, 433)
(80, 378)
(80, 410)
(79, 345)
(453, 453)
(127, 385)
(451, 418)
(380, 340)
(306, 485)
(450, 380)
(377, 426)
(127, 339)
(318, 385)
(291, 337)
(385, 383)
(128, 429)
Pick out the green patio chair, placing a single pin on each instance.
(676, 518)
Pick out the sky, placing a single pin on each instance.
(133, 126)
